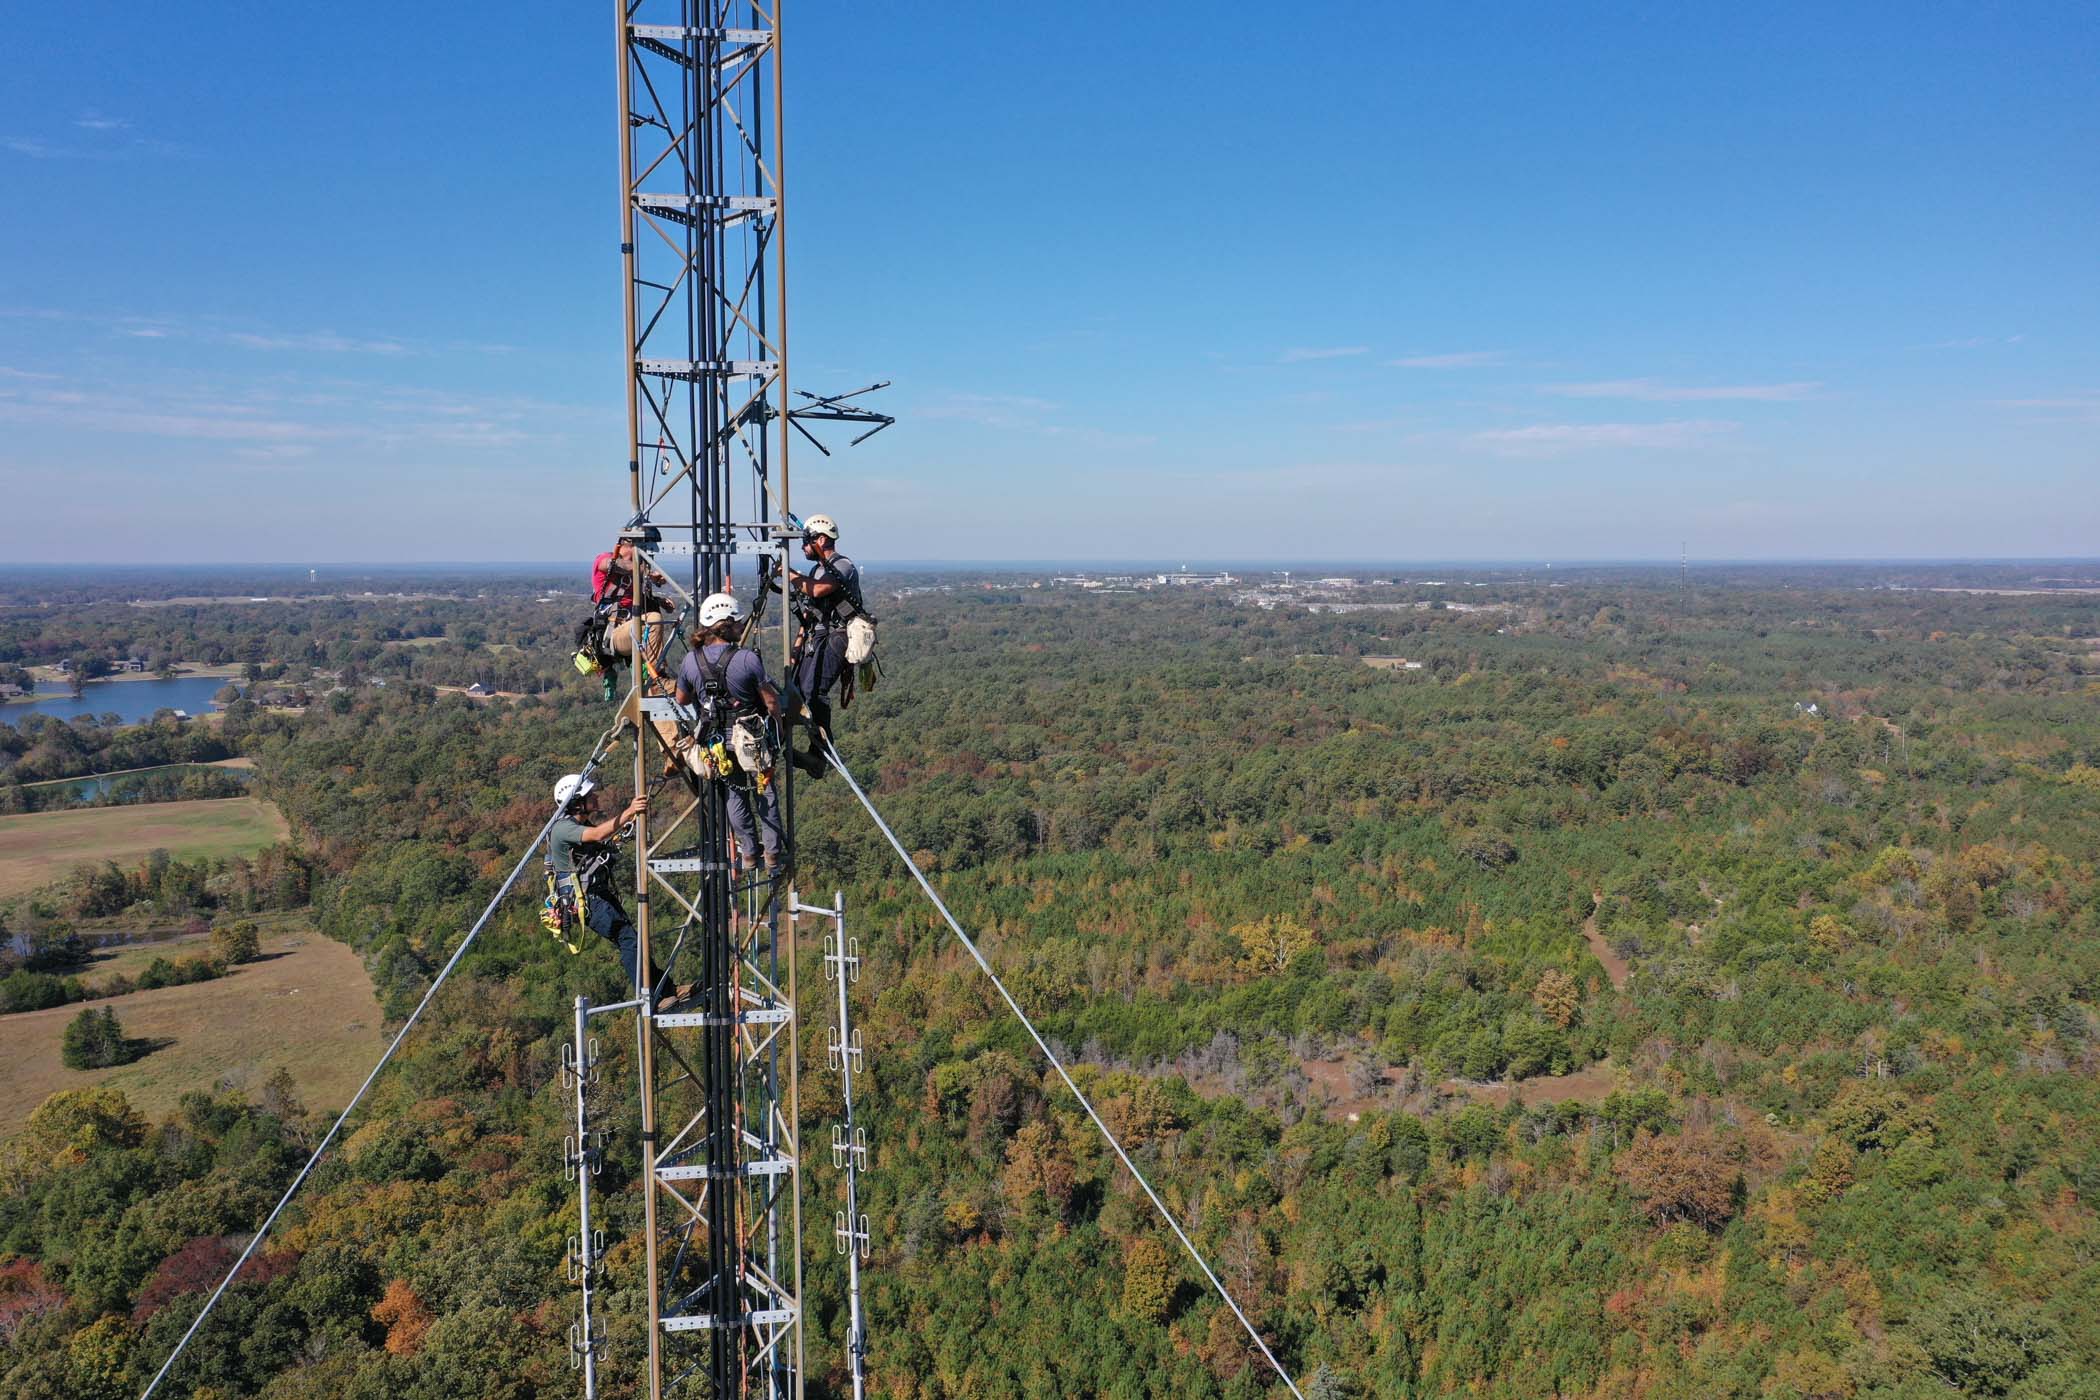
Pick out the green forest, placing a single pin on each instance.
(1679, 986)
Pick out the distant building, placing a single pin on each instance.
(477, 689)
(131, 663)
(11, 692)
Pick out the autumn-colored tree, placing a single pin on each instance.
(73, 1124)
(25, 1295)
(1271, 944)
(1556, 995)
(1811, 1375)
(196, 1267)
(1829, 1170)
(237, 942)
(98, 1358)
(1679, 1178)
(1038, 1164)
(1148, 1280)
(1827, 933)
(404, 1316)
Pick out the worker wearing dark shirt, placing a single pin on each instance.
(825, 599)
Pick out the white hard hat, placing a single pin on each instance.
(572, 786)
(718, 608)
(821, 525)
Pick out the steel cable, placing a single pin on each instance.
(597, 755)
(1058, 1065)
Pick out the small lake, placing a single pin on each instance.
(130, 701)
(114, 784)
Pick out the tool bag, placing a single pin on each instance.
(592, 654)
(744, 735)
(562, 915)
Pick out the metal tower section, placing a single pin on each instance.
(701, 206)
(849, 1141)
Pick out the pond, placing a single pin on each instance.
(114, 784)
(130, 701)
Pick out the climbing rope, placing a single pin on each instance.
(1058, 1065)
(597, 756)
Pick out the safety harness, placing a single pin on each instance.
(731, 734)
(561, 912)
(821, 618)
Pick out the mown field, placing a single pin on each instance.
(306, 1006)
(39, 847)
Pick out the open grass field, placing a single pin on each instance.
(39, 847)
(171, 943)
(307, 1006)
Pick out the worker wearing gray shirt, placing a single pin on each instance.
(580, 849)
(732, 680)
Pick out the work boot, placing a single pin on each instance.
(809, 763)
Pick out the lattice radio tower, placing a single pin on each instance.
(702, 247)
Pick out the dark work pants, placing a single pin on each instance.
(610, 922)
(767, 829)
(823, 664)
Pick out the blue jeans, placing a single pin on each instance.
(610, 922)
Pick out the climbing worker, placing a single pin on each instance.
(612, 593)
(837, 634)
(581, 845)
(727, 680)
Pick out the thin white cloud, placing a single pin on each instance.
(1008, 411)
(327, 342)
(1023, 414)
(1655, 391)
(2077, 401)
(1457, 359)
(36, 148)
(92, 120)
(9, 373)
(1548, 438)
(1299, 354)
(288, 422)
(1973, 342)
(72, 411)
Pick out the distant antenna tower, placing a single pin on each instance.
(1684, 564)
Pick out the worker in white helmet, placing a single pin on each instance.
(727, 681)
(581, 846)
(826, 600)
(622, 621)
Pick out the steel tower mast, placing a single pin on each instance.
(706, 363)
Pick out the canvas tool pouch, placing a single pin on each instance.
(747, 740)
(860, 640)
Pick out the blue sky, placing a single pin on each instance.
(1369, 281)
